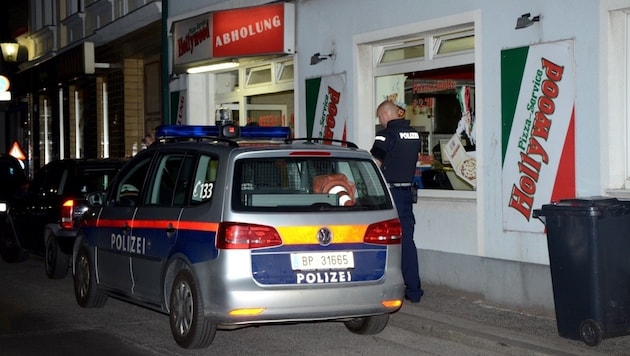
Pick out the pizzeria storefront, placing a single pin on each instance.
(238, 59)
(506, 116)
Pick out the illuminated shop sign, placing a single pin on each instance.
(5, 84)
(239, 32)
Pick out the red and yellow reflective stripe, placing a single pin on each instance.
(160, 224)
(294, 235)
(291, 235)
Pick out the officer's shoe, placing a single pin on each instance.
(412, 300)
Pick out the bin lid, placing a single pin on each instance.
(592, 206)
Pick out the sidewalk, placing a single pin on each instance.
(464, 318)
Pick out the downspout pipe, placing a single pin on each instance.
(166, 113)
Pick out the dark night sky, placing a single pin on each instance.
(13, 18)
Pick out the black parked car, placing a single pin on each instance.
(12, 177)
(43, 220)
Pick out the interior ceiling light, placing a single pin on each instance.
(212, 67)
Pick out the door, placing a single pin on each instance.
(114, 236)
(155, 225)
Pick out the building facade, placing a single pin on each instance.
(516, 105)
(92, 79)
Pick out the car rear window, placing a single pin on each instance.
(95, 179)
(308, 184)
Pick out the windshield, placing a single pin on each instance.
(308, 183)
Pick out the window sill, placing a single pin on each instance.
(451, 194)
(619, 193)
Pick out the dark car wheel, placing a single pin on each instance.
(86, 291)
(369, 325)
(10, 250)
(190, 328)
(56, 261)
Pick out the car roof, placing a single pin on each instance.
(85, 162)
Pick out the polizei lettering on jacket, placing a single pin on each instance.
(323, 277)
(409, 136)
(126, 243)
(534, 155)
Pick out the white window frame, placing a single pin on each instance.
(615, 110)
(367, 55)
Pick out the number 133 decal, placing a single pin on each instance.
(203, 190)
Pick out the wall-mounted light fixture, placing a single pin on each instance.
(317, 57)
(526, 21)
(10, 51)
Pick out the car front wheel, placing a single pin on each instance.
(86, 291)
(369, 325)
(190, 328)
(56, 262)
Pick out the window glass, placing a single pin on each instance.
(258, 75)
(440, 104)
(454, 42)
(305, 184)
(130, 187)
(182, 188)
(205, 178)
(48, 180)
(95, 179)
(412, 50)
(285, 71)
(161, 190)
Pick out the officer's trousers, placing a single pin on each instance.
(411, 276)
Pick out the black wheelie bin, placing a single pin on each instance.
(589, 257)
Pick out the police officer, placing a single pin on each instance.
(395, 150)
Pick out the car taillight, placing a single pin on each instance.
(384, 233)
(67, 211)
(246, 236)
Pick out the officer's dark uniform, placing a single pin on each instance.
(397, 148)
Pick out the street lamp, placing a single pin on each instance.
(10, 51)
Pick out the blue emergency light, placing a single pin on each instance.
(226, 131)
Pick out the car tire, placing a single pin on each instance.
(55, 261)
(190, 328)
(369, 325)
(10, 250)
(86, 291)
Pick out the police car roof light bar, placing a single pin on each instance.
(198, 131)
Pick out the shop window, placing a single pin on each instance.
(285, 71)
(437, 95)
(401, 52)
(455, 42)
(441, 106)
(258, 75)
(45, 130)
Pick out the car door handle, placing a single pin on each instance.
(126, 228)
(170, 230)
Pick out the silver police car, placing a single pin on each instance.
(228, 226)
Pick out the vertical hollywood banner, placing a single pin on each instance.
(326, 107)
(538, 139)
